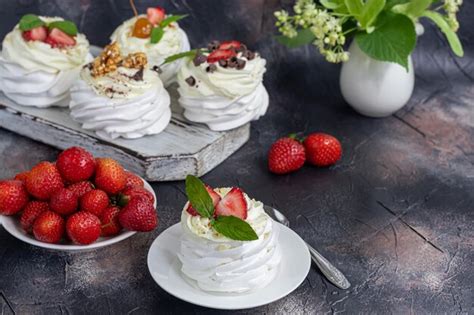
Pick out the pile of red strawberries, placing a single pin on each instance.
(78, 198)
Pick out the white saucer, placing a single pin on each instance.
(165, 268)
(12, 226)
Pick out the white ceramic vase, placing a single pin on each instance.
(375, 88)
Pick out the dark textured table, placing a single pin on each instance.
(395, 215)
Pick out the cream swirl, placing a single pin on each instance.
(124, 103)
(217, 263)
(174, 41)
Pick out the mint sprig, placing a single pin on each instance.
(156, 35)
(67, 27)
(170, 19)
(169, 59)
(30, 21)
(158, 31)
(229, 226)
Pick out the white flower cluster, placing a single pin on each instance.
(452, 7)
(327, 29)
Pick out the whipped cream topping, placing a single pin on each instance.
(225, 98)
(174, 41)
(32, 73)
(127, 103)
(216, 263)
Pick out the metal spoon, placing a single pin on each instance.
(332, 273)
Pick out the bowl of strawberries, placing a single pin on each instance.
(78, 202)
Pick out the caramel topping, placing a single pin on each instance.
(135, 61)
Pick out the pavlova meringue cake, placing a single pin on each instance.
(120, 97)
(222, 86)
(234, 249)
(157, 35)
(40, 60)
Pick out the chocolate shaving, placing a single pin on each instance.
(241, 49)
(211, 68)
(199, 59)
(248, 54)
(157, 69)
(213, 45)
(138, 76)
(223, 63)
(191, 81)
(240, 64)
(232, 62)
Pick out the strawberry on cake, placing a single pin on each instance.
(222, 86)
(229, 244)
(40, 60)
(120, 96)
(156, 34)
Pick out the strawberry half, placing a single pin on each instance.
(155, 15)
(233, 204)
(220, 54)
(231, 44)
(215, 200)
(58, 38)
(38, 33)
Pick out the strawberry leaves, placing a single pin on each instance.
(229, 226)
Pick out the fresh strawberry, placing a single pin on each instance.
(139, 215)
(132, 192)
(75, 164)
(215, 200)
(233, 203)
(133, 180)
(219, 54)
(63, 202)
(231, 44)
(109, 175)
(13, 197)
(155, 15)
(81, 188)
(32, 210)
(83, 228)
(22, 176)
(110, 222)
(286, 155)
(43, 180)
(38, 33)
(57, 38)
(322, 149)
(95, 202)
(48, 227)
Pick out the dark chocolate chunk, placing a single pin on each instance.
(157, 69)
(240, 64)
(223, 63)
(199, 59)
(213, 45)
(138, 76)
(242, 48)
(191, 81)
(248, 54)
(232, 62)
(211, 68)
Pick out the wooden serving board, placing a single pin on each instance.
(182, 148)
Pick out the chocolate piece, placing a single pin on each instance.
(138, 76)
(213, 45)
(223, 63)
(240, 64)
(211, 68)
(157, 69)
(241, 49)
(232, 62)
(199, 59)
(191, 81)
(248, 54)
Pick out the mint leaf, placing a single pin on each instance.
(234, 228)
(392, 40)
(199, 197)
(453, 39)
(30, 21)
(171, 19)
(67, 27)
(175, 57)
(365, 12)
(156, 35)
(413, 9)
(304, 37)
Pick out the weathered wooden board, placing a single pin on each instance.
(182, 148)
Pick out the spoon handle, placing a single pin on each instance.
(332, 273)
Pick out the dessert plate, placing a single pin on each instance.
(165, 268)
(12, 225)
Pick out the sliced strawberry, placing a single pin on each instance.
(155, 15)
(58, 38)
(215, 200)
(38, 33)
(233, 204)
(220, 54)
(231, 44)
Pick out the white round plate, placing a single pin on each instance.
(165, 268)
(12, 225)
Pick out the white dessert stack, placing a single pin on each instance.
(34, 73)
(174, 41)
(127, 102)
(225, 94)
(213, 262)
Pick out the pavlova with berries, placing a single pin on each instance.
(222, 86)
(41, 59)
(229, 244)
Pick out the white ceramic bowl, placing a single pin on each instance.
(12, 226)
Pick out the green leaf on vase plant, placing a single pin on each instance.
(199, 197)
(170, 19)
(304, 37)
(452, 37)
(365, 12)
(392, 3)
(175, 57)
(330, 4)
(413, 9)
(156, 35)
(234, 228)
(393, 39)
(67, 27)
(30, 21)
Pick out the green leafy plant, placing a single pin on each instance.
(158, 31)
(383, 29)
(31, 21)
